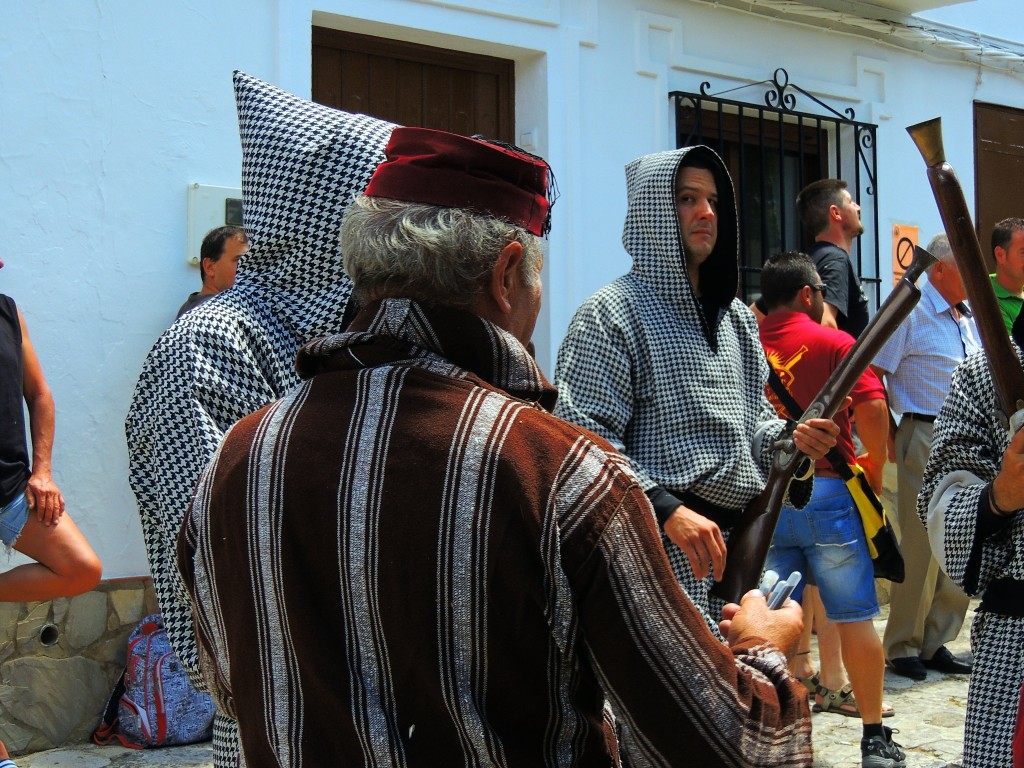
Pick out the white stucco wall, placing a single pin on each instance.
(108, 112)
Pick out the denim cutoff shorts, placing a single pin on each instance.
(12, 520)
(827, 537)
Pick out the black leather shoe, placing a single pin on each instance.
(910, 666)
(944, 661)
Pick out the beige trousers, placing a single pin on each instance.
(927, 610)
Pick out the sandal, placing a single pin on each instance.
(811, 682)
(842, 702)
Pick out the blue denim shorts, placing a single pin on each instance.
(12, 520)
(827, 537)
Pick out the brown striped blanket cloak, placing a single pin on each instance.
(409, 561)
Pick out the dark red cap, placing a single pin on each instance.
(440, 168)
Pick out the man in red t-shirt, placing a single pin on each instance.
(826, 536)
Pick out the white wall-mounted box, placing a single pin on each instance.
(210, 207)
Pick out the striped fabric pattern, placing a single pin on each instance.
(403, 563)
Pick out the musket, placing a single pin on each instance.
(1007, 373)
(752, 535)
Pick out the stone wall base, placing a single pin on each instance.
(59, 660)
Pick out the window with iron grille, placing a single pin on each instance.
(773, 151)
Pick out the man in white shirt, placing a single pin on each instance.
(927, 610)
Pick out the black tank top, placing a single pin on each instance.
(14, 466)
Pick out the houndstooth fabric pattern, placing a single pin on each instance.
(967, 450)
(302, 163)
(641, 367)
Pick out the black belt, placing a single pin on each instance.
(1004, 597)
(722, 517)
(925, 417)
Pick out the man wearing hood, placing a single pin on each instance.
(301, 165)
(971, 502)
(666, 364)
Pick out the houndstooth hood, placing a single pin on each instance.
(302, 164)
(652, 238)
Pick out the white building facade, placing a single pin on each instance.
(109, 111)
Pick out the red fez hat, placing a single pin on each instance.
(440, 168)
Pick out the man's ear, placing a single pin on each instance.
(505, 276)
(807, 296)
(1000, 254)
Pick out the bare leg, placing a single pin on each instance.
(800, 665)
(830, 648)
(65, 563)
(865, 663)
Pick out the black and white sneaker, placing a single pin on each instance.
(882, 751)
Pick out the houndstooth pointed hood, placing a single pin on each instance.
(652, 237)
(302, 163)
(297, 181)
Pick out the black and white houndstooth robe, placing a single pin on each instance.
(682, 398)
(302, 163)
(967, 451)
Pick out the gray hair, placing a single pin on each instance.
(939, 247)
(429, 253)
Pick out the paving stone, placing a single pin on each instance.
(9, 615)
(112, 650)
(92, 756)
(86, 619)
(28, 628)
(127, 605)
(60, 609)
(15, 738)
(37, 690)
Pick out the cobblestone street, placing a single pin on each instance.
(929, 716)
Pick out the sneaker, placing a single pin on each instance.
(882, 751)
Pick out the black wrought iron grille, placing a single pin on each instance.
(773, 151)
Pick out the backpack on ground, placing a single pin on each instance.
(153, 703)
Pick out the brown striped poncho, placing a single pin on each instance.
(409, 561)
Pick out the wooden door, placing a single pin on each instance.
(413, 84)
(998, 168)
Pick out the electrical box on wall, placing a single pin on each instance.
(210, 207)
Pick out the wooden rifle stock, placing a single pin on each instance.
(752, 535)
(1007, 373)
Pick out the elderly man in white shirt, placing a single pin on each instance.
(927, 610)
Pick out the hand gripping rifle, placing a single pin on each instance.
(1007, 373)
(752, 535)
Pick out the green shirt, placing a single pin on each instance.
(1009, 303)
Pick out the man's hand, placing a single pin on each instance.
(700, 539)
(816, 436)
(753, 619)
(1008, 487)
(44, 498)
(872, 471)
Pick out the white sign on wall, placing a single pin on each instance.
(210, 207)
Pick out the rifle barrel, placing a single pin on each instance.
(752, 535)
